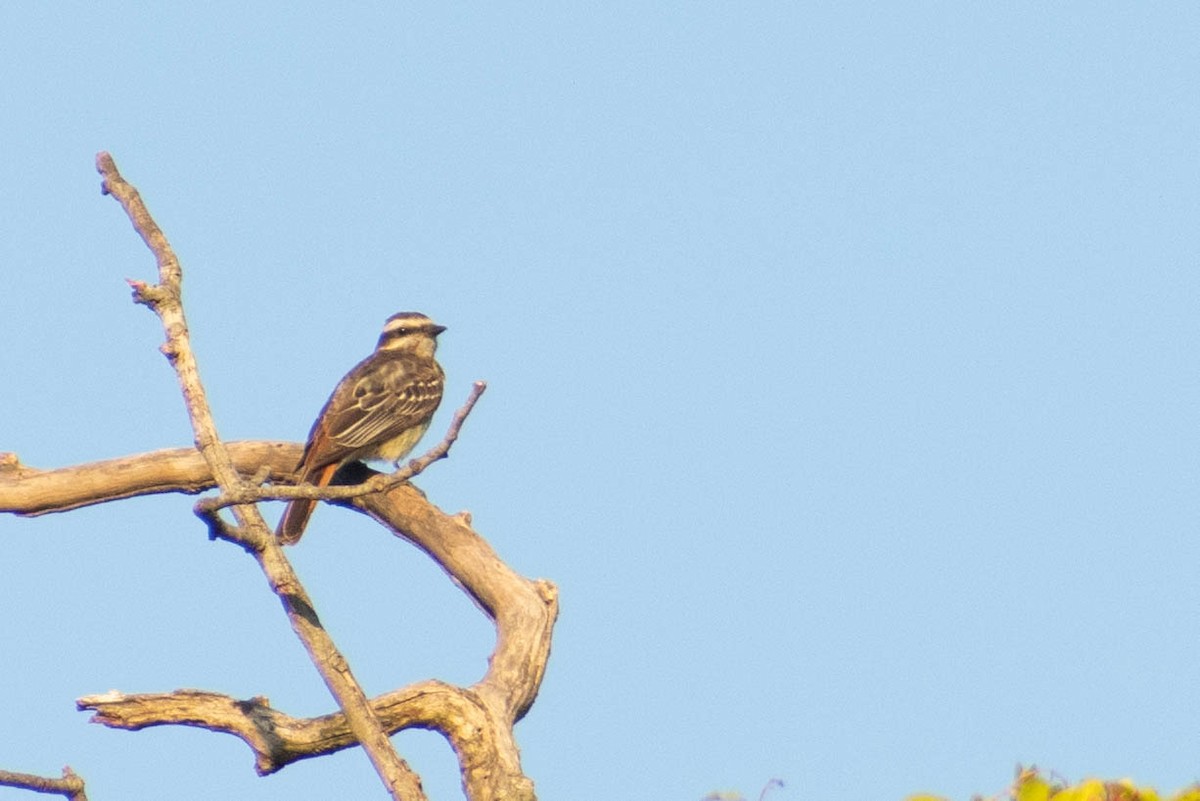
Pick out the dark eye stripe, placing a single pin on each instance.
(396, 333)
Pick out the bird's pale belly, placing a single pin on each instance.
(399, 446)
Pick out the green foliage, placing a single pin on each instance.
(1030, 785)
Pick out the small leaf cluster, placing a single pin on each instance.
(1031, 785)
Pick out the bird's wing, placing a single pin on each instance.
(378, 400)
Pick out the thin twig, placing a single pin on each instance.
(252, 532)
(249, 492)
(771, 785)
(70, 785)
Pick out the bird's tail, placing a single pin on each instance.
(295, 516)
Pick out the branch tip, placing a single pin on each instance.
(70, 785)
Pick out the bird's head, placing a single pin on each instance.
(411, 332)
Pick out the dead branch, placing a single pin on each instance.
(477, 720)
(381, 482)
(278, 739)
(165, 300)
(447, 539)
(29, 492)
(70, 785)
(524, 613)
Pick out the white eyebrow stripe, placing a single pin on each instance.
(410, 321)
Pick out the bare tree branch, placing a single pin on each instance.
(252, 533)
(381, 482)
(70, 785)
(477, 720)
(29, 492)
(278, 739)
(523, 611)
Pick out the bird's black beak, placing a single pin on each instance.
(437, 329)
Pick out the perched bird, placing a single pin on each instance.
(379, 410)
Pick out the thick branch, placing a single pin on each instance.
(165, 300)
(523, 611)
(29, 492)
(278, 739)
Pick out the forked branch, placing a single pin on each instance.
(165, 300)
(382, 482)
(477, 720)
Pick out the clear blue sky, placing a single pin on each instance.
(842, 363)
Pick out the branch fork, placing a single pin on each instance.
(252, 490)
(477, 720)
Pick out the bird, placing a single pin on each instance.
(379, 410)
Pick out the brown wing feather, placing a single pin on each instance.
(379, 399)
(384, 395)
